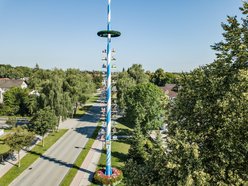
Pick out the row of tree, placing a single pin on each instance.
(135, 75)
(61, 90)
(207, 137)
(51, 95)
(43, 121)
(7, 71)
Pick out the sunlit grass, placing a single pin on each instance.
(119, 150)
(92, 99)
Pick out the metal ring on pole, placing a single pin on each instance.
(105, 33)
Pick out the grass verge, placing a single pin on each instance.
(92, 99)
(83, 109)
(76, 166)
(29, 158)
(119, 150)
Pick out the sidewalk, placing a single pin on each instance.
(10, 163)
(88, 167)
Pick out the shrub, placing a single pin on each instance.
(114, 179)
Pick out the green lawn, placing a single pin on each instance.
(30, 157)
(92, 99)
(82, 110)
(8, 130)
(119, 152)
(122, 129)
(73, 171)
(119, 148)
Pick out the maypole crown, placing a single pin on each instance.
(105, 33)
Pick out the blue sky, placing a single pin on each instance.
(168, 34)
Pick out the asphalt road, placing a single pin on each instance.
(51, 167)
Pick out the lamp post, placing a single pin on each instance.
(108, 34)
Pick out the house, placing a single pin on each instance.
(6, 83)
(170, 90)
(34, 92)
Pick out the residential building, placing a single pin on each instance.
(170, 90)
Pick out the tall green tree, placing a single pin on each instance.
(146, 104)
(43, 122)
(123, 84)
(208, 127)
(15, 101)
(31, 104)
(145, 164)
(79, 85)
(18, 139)
(52, 96)
(160, 77)
(137, 72)
(210, 114)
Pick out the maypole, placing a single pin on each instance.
(108, 34)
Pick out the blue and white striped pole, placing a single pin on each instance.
(108, 118)
(108, 34)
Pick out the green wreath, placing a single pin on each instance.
(105, 33)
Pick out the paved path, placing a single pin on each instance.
(50, 168)
(8, 164)
(85, 175)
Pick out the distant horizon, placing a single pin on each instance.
(175, 36)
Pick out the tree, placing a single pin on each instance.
(145, 161)
(31, 104)
(123, 84)
(140, 146)
(19, 139)
(160, 77)
(146, 104)
(97, 78)
(15, 101)
(138, 73)
(61, 90)
(79, 85)
(52, 96)
(208, 127)
(43, 121)
(7, 71)
(210, 114)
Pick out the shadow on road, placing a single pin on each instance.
(92, 115)
(87, 131)
(97, 150)
(62, 163)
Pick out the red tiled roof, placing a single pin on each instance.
(168, 90)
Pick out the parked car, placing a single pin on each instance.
(22, 121)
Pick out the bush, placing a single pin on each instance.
(114, 179)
